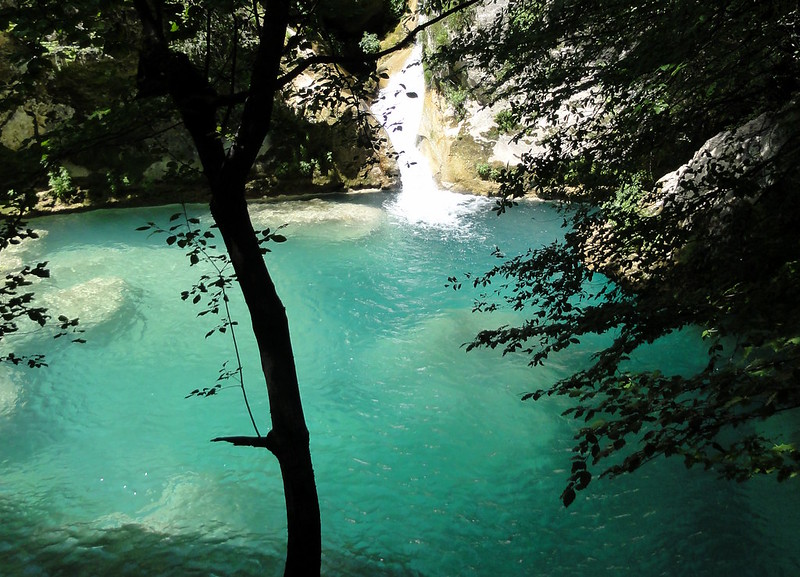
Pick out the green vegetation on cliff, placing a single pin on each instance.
(70, 110)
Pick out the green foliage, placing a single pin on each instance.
(457, 97)
(505, 122)
(488, 172)
(369, 43)
(18, 306)
(303, 149)
(61, 186)
(397, 8)
(307, 167)
(456, 21)
(82, 58)
(117, 183)
(627, 93)
(443, 73)
(440, 34)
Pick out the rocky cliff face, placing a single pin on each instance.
(335, 149)
(463, 136)
(466, 147)
(735, 190)
(74, 130)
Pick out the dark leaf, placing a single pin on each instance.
(568, 496)
(582, 480)
(578, 465)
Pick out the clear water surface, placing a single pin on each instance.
(426, 460)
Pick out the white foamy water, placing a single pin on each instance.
(399, 108)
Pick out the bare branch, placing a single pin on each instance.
(247, 441)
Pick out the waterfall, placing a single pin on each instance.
(399, 109)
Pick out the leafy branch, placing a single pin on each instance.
(17, 301)
(185, 232)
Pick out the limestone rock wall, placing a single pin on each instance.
(460, 134)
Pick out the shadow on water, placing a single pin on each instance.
(34, 547)
(31, 546)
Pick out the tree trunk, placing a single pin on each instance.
(163, 71)
(288, 439)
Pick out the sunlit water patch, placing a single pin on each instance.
(9, 395)
(322, 220)
(427, 463)
(25, 251)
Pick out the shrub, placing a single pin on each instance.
(397, 8)
(60, 183)
(457, 98)
(369, 43)
(505, 122)
(488, 172)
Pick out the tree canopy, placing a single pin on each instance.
(674, 127)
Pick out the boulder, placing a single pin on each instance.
(17, 130)
(748, 151)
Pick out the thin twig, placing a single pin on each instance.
(230, 323)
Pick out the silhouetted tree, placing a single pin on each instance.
(225, 99)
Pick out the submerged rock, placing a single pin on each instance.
(27, 252)
(317, 218)
(9, 396)
(95, 302)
